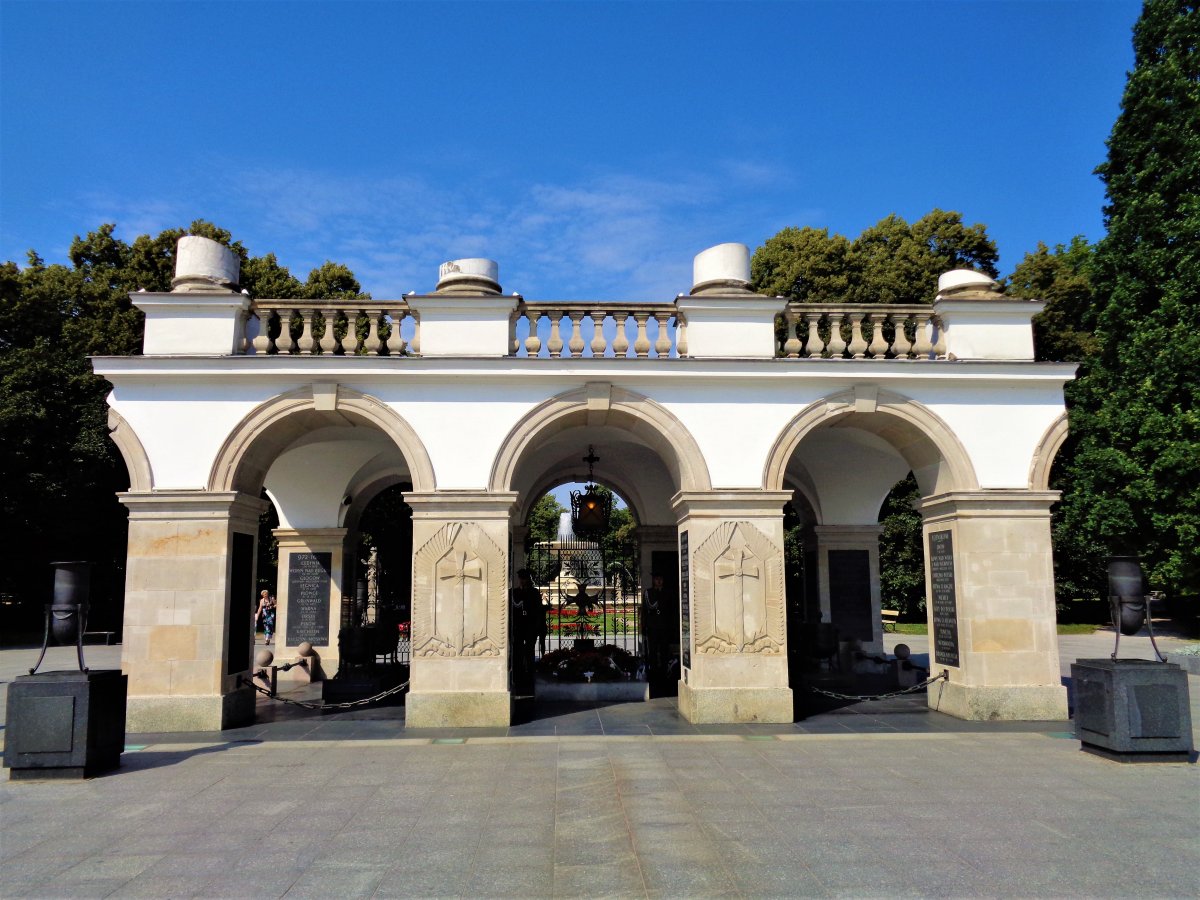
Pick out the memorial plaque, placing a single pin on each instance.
(850, 606)
(308, 598)
(944, 602)
(685, 602)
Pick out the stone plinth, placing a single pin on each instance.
(189, 603)
(1132, 710)
(460, 646)
(990, 596)
(733, 632)
(309, 595)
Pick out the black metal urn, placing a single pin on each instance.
(1127, 590)
(68, 608)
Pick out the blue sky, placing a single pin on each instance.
(591, 148)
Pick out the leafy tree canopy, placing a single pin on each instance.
(1063, 331)
(1135, 477)
(891, 262)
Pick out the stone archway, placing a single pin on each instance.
(141, 475)
(242, 462)
(1047, 449)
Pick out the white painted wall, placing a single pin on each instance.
(182, 411)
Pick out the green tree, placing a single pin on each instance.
(805, 264)
(1064, 330)
(902, 552)
(543, 519)
(59, 470)
(894, 262)
(1135, 476)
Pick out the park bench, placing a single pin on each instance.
(890, 618)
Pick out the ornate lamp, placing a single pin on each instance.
(590, 510)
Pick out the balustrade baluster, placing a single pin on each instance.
(879, 344)
(576, 345)
(681, 345)
(621, 339)
(306, 342)
(900, 343)
(414, 346)
(262, 342)
(641, 346)
(285, 343)
(921, 344)
(791, 343)
(533, 343)
(662, 346)
(598, 342)
(858, 343)
(328, 341)
(555, 344)
(814, 345)
(837, 344)
(939, 346)
(514, 343)
(397, 346)
(350, 338)
(373, 342)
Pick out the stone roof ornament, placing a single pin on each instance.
(203, 265)
(967, 284)
(723, 269)
(469, 276)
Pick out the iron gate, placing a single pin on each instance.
(589, 595)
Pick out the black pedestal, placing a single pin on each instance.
(65, 724)
(1132, 710)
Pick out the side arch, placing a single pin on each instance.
(249, 450)
(1047, 449)
(913, 429)
(141, 475)
(642, 417)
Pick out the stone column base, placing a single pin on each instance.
(1017, 702)
(144, 715)
(458, 709)
(720, 706)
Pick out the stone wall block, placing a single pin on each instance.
(168, 642)
(195, 676)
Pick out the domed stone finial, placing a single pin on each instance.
(967, 284)
(202, 264)
(723, 269)
(469, 276)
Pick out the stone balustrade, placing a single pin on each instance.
(335, 327)
(861, 331)
(568, 322)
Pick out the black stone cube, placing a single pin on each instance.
(65, 724)
(1132, 710)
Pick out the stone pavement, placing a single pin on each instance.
(625, 800)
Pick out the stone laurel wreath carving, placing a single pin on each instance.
(739, 592)
(459, 602)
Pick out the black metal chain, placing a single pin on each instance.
(349, 704)
(908, 690)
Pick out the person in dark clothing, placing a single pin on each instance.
(528, 627)
(655, 627)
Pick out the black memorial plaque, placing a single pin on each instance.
(308, 598)
(945, 603)
(685, 602)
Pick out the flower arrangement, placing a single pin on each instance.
(605, 663)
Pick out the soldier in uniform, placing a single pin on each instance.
(528, 627)
(654, 627)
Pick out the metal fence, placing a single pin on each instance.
(587, 595)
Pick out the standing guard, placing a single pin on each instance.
(528, 628)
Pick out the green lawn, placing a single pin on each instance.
(922, 628)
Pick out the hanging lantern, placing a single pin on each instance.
(590, 510)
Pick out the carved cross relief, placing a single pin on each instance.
(739, 584)
(458, 594)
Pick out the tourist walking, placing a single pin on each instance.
(266, 614)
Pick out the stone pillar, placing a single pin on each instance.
(732, 619)
(189, 603)
(519, 535)
(460, 585)
(848, 582)
(312, 582)
(989, 575)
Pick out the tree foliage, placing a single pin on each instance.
(543, 519)
(901, 552)
(1064, 330)
(60, 472)
(1135, 473)
(890, 262)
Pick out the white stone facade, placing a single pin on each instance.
(710, 437)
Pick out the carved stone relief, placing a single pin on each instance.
(459, 602)
(739, 592)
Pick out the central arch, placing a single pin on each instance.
(597, 405)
